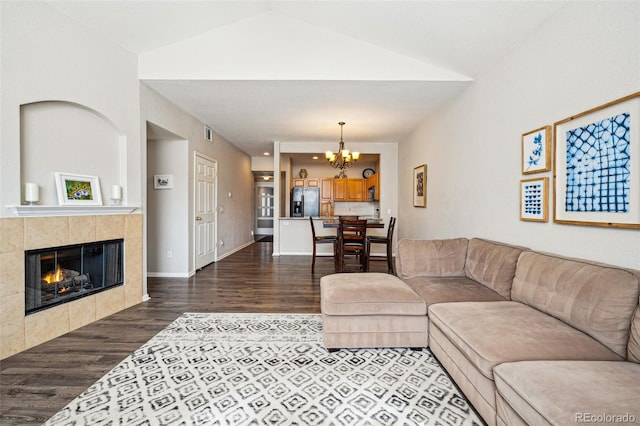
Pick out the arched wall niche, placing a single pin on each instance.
(62, 136)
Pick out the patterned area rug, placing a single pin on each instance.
(250, 369)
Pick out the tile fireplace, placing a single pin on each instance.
(38, 235)
(58, 275)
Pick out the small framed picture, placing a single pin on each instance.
(534, 199)
(420, 186)
(77, 189)
(536, 151)
(162, 181)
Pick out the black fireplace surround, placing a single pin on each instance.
(58, 275)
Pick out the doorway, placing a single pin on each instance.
(205, 211)
(265, 207)
(167, 200)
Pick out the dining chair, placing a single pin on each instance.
(388, 241)
(352, 242)
(322, 239)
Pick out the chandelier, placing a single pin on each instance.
(343, 158)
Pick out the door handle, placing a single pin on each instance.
(198, 218)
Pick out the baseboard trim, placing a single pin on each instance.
(192, 273)
(168, 275)
(297, 253)
(235, 250)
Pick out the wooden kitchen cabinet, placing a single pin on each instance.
(349, 190)
(326, 209)
(373, 180)
(326, 189)
(340, 189)
(356, 190)
(305, 183)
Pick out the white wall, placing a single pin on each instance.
(67, 137)
(321, 169)
(262, 164)
(49, 57)
(586, 55)
(235, 223)
(167, 212)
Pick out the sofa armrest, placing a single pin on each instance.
(431, 258)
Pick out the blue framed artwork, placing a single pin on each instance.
(534, 196)
(536, 151)
(597, 166)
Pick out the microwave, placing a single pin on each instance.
(371, 193)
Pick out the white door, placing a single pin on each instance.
(265, 205)
(205, 211)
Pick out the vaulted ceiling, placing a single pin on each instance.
(261, 71)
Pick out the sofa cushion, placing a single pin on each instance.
(490, 333)
(492, 264)
(451, 289)
(431, 258)
(594, 298)
(633, 350)
(375, 331)
(566, 392)
(368, 294)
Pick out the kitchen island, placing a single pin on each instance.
(295, 234)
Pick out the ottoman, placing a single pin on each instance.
(371, 310)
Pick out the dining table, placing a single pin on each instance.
(335, 223)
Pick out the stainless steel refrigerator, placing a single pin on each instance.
(305, 202)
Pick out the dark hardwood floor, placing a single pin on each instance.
(37, 383)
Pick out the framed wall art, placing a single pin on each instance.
(534, 199)
(597, 166)
(77, 189)
(162, 181)
(536, 151)
(420, 186)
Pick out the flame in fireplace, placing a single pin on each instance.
(55, 276)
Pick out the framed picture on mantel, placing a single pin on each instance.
(78, 189)
(420, 186)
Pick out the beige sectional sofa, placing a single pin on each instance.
(530, 338)
(457, 270)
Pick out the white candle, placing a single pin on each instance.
(116, 192)
(31, 192)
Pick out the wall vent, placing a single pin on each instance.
(208, 134)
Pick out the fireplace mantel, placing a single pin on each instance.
(37, 210)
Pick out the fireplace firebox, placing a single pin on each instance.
(60, 274)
